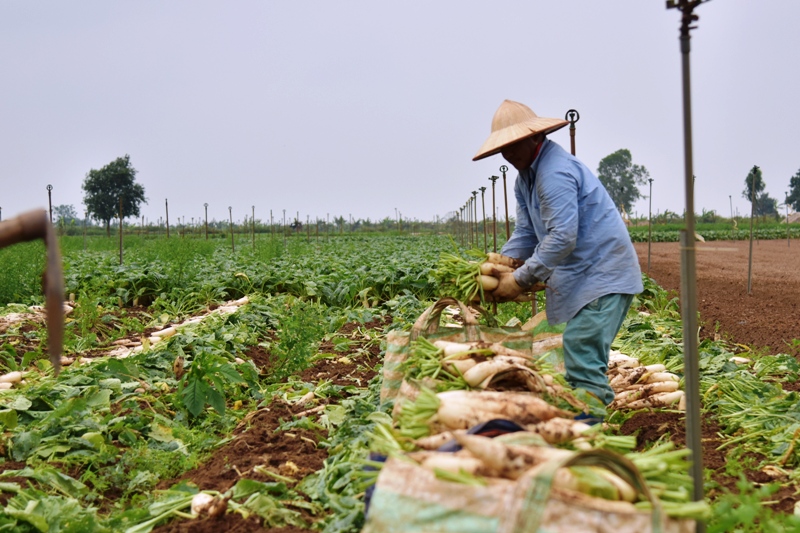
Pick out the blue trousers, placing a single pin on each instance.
(587, 341)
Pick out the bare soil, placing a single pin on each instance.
(259, 441)
(767, 317)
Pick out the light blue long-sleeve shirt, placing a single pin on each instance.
(570, 235)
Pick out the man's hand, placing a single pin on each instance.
(507, 290)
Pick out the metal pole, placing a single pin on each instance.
(573, 116)
(468, 219)
(166, 207)
(733, 222)
(206, 207)
(253, 224)
(688, 268)
(786, 203)
(120, 230)
(50, 201)
(230, 214)
(483, 206)
(503, 169)
(650, 225)
(475, 215)
(752, 215)
(284, 228)
(493, 179)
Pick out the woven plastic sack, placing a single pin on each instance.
(411, 499)
(398, 343)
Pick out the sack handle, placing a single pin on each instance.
(538, 489)
(428, 321)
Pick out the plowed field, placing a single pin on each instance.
(767, 317)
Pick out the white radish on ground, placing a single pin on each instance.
(661, 399)
(508, 460)
(12, 377)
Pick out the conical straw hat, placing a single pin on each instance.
(512, 122)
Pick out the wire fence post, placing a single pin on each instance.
(504, 169)
(572, 116)
(688, 265)
(230, 217)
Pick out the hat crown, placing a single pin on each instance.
(511, 113)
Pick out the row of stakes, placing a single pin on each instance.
(466, 217)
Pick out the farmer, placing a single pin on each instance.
(571, 238)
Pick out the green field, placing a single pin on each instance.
(92, 449)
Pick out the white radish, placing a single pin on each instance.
(165, 333)
(499, 259)
(508, 460)
(661, 399)
(455, 348)
(523, 408)
(452, 463)
(493, 269)
(11, 377)
(489, 283)
(6, 385)
(558, 430)
(475, 375)
(662, 376)
(455, 416)
(460, 365)
(432, 442)
(656, 386)
(201, 502)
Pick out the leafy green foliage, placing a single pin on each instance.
(111, 189)
(793, 199)
(622, 178)
(746, 512)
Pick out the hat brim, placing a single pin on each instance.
(509, 135)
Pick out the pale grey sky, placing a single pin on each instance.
(356, 107)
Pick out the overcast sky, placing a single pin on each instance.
(363, 108)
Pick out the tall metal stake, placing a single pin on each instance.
(166, 207)
(253, 224)
(230, 214)
(649, 225)
(475, 216)
(573, 116)
(503, 169)
(752, 216)
(730, 199)
(786, 203)
(493, 179)
(483, 205)
(120, 230)
(50, 201)
(688, 265)
(206, 207)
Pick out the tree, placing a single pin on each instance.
(794, 192)
(764, 204)
(753, 180)
(622, 178)
(106, 186)
(64, 214)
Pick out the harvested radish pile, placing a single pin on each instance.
(455, 396)
(637, 386)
